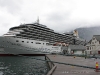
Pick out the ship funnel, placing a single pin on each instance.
(75, 32)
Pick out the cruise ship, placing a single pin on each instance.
(35, 38)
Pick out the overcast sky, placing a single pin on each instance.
(60, 15)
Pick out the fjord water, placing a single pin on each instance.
(17, 65)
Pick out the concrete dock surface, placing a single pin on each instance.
(73, 70)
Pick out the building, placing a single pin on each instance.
(74, 49)
(93, 46)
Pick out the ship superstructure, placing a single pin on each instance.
(35, 39)
(40, 32)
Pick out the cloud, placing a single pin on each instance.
(60, 15)
(12, 6)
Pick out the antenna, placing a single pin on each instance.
(38, 19)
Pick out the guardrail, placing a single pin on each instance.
(52, 70)
(51, 66)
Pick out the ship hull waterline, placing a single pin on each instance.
(20, 52)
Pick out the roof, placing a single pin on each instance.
(90, 41)
(77, 47)
(97, 37)
(80, 39)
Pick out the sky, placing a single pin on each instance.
(59, 15)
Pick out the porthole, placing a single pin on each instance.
(38, 43)
(17, 41)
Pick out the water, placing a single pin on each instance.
(16, 65)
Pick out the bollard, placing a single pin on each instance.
(96, 66)
(74, 56)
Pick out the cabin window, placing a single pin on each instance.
(87, 48)
(90, 48)
(17, 41)
(38, 43)
(31, 42)
(92, 42)
(22, 41)
(48, 44)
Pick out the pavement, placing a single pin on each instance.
(73, 70)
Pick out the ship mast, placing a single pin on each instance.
(38, 20)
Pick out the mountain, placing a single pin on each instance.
(88, 32)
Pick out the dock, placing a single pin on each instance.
(62, 69)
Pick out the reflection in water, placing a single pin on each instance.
(15, 65)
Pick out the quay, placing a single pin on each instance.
(62, 69)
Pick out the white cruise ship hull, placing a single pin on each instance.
(11, 45)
